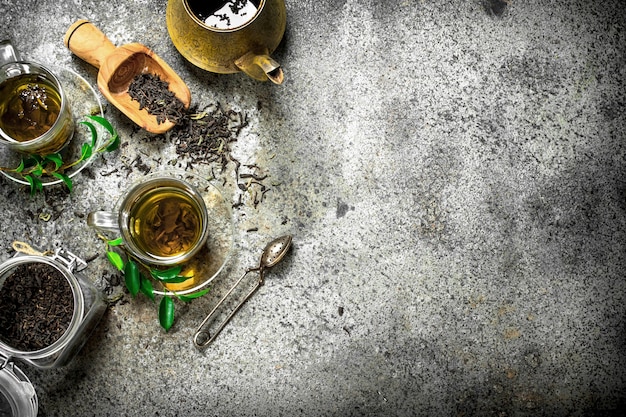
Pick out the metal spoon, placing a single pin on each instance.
(273, 253)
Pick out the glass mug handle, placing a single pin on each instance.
(104, 221)
(8, 53)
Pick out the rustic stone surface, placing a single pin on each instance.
(453, 174)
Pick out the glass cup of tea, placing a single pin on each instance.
(35, 116)
(162, 220)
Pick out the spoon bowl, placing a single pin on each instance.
(273, 253)
(118, 66)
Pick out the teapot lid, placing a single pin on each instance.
(17, 395)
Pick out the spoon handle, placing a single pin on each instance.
(87, 42)
(203, 338)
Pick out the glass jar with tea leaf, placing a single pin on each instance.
(49, 309)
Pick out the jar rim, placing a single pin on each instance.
(17, 390)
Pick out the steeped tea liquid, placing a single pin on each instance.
(222, 14)
(29, 106)
(165, 222)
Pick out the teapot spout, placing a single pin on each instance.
(261, 67)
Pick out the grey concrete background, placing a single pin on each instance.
(453, 173)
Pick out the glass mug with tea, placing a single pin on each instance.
(162, 220)
(35, 116)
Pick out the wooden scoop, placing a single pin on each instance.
(118, 66)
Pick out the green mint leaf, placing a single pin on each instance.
(113, 144)
(37, 171)
(21, 166)
(146, 287)
(31, 182)
(38, 184)
(174, 280)
(66, 180)
(116, 260)
(92, 129)
(166, 273)
(56, 159)
(114, 141)
(35, 184)
(33, 160)
(105, 123)
(86, 151)
(115, 242)
(131, 277)
(188, 297)
(166, 312)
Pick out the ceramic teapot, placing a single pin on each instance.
(229, 36)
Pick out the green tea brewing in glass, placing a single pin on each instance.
(162, 219)
(35, 116)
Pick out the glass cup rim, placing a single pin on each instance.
(136, 192)
(51, 77)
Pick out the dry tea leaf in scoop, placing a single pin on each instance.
(118, 67)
